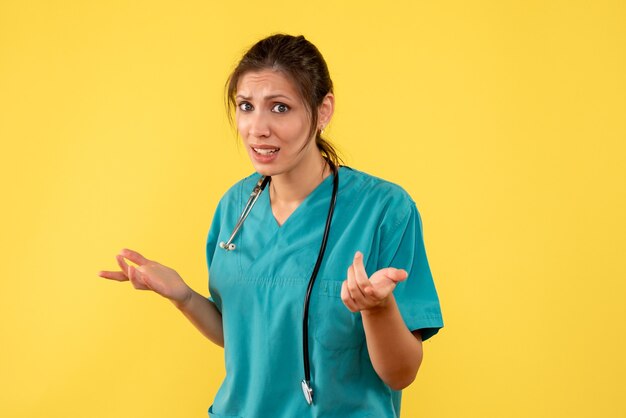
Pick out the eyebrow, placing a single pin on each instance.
(270, 97)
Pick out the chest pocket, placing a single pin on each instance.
(336, 327)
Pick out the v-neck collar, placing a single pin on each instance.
(308, 201)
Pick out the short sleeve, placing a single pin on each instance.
(402, 246)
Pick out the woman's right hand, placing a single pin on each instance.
(150, 275)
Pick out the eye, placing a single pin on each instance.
(245, 107)
(280, 108)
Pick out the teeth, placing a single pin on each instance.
(265, 151)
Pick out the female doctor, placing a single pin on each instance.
(321, 293)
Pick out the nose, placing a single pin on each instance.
(259, 126)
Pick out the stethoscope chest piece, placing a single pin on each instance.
(308, 392)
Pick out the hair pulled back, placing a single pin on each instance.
(302, 63)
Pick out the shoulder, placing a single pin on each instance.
(240, 189)
(372, 190)
(232, 201)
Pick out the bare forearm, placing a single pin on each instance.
(203, 314)
(395, 352)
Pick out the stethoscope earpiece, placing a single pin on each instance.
(227, 247)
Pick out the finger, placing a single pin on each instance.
(113, 275)
(397, 275)
(122, 263)
(386, 280)
(144, 276)
(361, 275)
(134, 256)
(353, 288)
(136, 278)
(346, 299)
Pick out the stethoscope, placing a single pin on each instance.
(229, 246)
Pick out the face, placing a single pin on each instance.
(273, 123)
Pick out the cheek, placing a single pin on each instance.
(294, 130)
(242, 126)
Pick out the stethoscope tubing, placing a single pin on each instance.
(230, 246)
(260, 186)
(306, 384)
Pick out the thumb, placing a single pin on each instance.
(396, 275)
(137, 278)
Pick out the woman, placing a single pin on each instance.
(321, 293)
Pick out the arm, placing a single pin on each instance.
(395, 352)
(203, 314)
(150, 275)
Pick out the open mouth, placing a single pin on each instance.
(266, 151)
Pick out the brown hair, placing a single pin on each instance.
(303, 64)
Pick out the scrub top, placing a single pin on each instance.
(259, 288)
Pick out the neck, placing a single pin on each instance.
(293, 187)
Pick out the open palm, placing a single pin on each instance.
(358, 292)
(149, 275)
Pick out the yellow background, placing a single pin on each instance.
(506, 121)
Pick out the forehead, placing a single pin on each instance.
(264, 83)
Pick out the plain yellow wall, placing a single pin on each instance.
(506, 121)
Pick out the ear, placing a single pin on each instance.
(325, 111)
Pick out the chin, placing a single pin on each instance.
(266, 170)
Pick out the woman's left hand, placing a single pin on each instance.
(360, 293)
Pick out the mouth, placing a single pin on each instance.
(265, 151)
